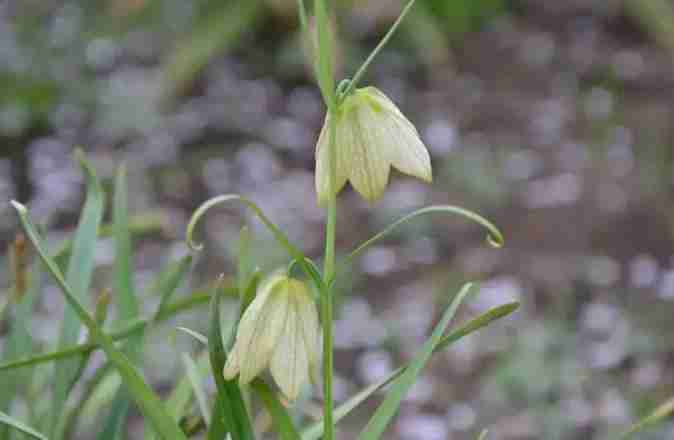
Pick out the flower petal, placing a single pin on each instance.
(405, 150)
(257, 333)
(290, 361)
(368, 164)
(310, 332)
(322, 176)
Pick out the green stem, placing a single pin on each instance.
(326, 82)
(327, 297)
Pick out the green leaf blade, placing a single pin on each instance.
(148, 402)
(230, 414)
(79, 273)
(315, 431)
(389, 407)
(20, 426)
(282, 421)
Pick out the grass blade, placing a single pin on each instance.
(315, 431)
(282, 420)
(148, 402)
(389, 407)
(197, 386)
(195, 334)
(660, 413)
(231, 415)
(132, 328)
(78, 277)
(483, 435)
(178, 402)
(169, 280)
(19, 426)
(18, 341)
(127, 303)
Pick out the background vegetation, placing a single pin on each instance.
(554, 119)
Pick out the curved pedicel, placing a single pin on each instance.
(293, 251)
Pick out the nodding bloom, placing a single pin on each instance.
(279, 329)
(372, 135)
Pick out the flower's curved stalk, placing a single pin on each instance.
(280, 237)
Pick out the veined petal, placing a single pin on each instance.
(407, 152)
(322, 176)
(368, 165)
(290, 361)
(257, 333)
(310, 332)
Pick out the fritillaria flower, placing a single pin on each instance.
(279, 330)
(372, 136)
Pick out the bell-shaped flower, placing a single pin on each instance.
(279, 329)
(372, 135)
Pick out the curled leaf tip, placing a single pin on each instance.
(495, 241)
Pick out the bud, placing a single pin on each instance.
(280, 330)
(371, 136)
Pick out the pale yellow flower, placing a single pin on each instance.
(372, 136)
(279, 329)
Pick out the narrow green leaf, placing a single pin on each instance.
(169, 280)
(132, 328)
(114, 422)
(230, 414)
(178, 402)
(127, 303)
(483, 435)
(315, 431)
(19, 426)
(195, 334)
(197, 386)
(124, 293)
(389, 407)
(148, 402)
(282, 420)
(477, 323)
(85, 398)
(662, 412)
(18, 341)
(78, 277)
(495, 238)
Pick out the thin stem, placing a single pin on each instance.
(327, 297)
(326, 82)
(363, 68)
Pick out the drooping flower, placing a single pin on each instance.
(372, 135)
(279, 329)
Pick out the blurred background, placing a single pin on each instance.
(553, 119)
